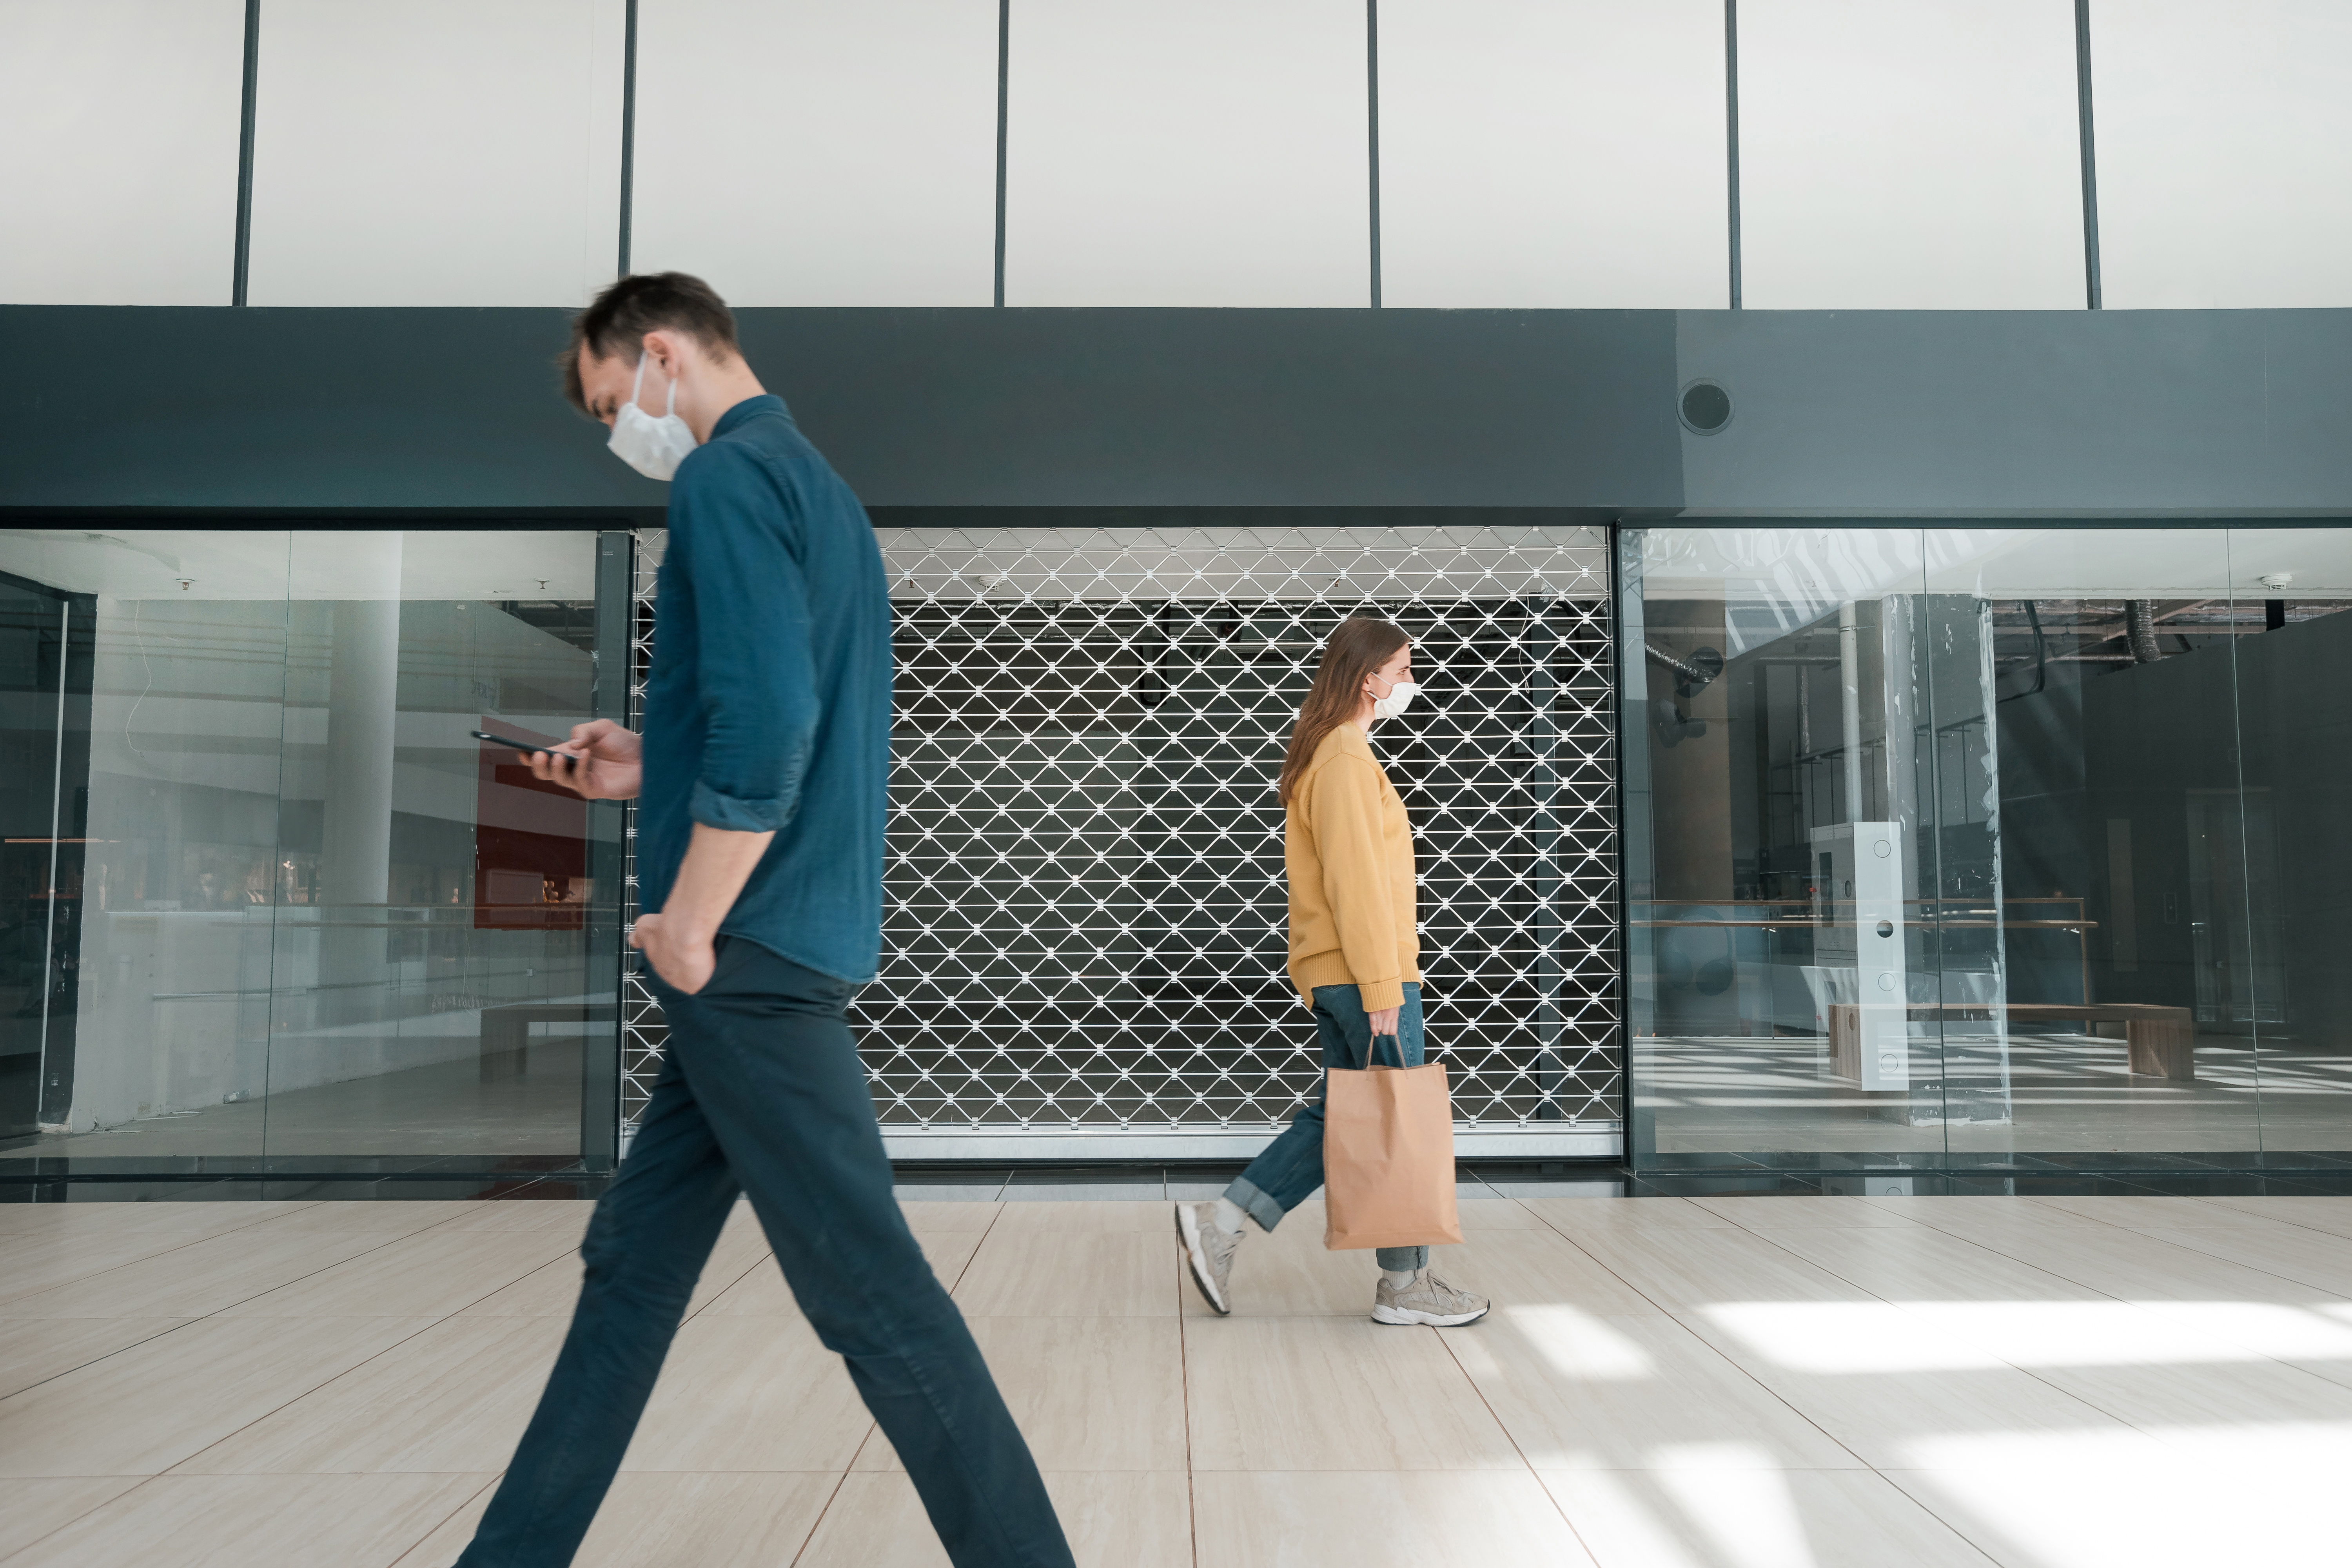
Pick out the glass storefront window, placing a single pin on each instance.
(297, 911)
(1981, 848)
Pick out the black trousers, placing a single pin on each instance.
(762, 1093)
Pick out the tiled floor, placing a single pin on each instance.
(1749, 1382)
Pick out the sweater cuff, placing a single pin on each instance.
(1381, 994)
(733, 814)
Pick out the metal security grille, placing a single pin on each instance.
(1084, 930)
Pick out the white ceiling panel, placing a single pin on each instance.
(827, 154)
(2224, 137)
(1909, 154)
(1213, 153)
(120, 187)
(437, 153)
(1553, 156)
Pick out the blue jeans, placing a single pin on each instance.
(762, 1093)
(1287, 1174)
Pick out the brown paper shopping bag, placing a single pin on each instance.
(1388, 1158)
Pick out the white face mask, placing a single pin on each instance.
(654, 447)
(1400, 697)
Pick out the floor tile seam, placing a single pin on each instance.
(151, 1338)
(1154, 1316)
(2151, 1435)
(2189, 1246)
(2041, 1375)
(1513, 1438)
(221, 1311)
(246, 1225)
(2030, 1372)
(1969, 1540)
(767, 1256)
(2198, 1252)
(1964, 1241)
(2122, 1224)
(462, 1504)
(191, 1322)
(2040, 1267)
(2295, 1223)
(346, 1473)
(1805, 1262)
(1798, 1258)
(423, 1328)
(453, 1313)
(974, 1256)
(133, 1262)
(1178, 1281)
(2245, 1214)
(1710, 1347)
(1834, 1272)
(67, 1524)
(2063, 1393)
(1517, 1467)
(839, 1481)
(281, 1285)
(1589, 1258)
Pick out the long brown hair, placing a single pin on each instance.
(1359, 649)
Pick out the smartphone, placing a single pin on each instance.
(518, 746)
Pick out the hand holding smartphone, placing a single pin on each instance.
(524, 746)
(600, 762)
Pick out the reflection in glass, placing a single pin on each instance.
(1783, 972)
(45, 647)
(2117, 785)
(322, 919)
(2101, 928)
(2273, 961)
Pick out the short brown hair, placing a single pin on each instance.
(644, 303)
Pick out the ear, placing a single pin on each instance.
(661, 346)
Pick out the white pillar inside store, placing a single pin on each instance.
(1850, 706)
(363, 692)
(362, 708)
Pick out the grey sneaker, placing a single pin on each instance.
(1209, 1250)
(1428, 1299)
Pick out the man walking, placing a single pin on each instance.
(760, 783)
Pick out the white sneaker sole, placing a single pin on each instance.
(1406, 1315)
(1188, 1236)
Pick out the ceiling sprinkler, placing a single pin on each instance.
(183, 583)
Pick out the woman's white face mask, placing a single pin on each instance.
(1400, 697)
(654, 447)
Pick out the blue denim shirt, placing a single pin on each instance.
(768, 707)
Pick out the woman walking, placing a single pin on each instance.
(1354, 943)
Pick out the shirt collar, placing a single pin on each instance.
(751, 408)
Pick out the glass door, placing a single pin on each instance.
(1784, 915)
(265, 895)
(2011, 849)
(2094, 832)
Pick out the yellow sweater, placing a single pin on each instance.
(1349, 851)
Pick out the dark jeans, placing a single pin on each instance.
(762, 1092)
(1287, 1174)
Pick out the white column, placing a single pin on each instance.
(355, 840)
(363, 690)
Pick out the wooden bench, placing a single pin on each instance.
(506, 1031)
(2159, 1041)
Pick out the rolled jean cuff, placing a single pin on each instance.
(1402, 1260)
(1245, 1196)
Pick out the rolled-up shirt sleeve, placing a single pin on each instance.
(758, 699)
